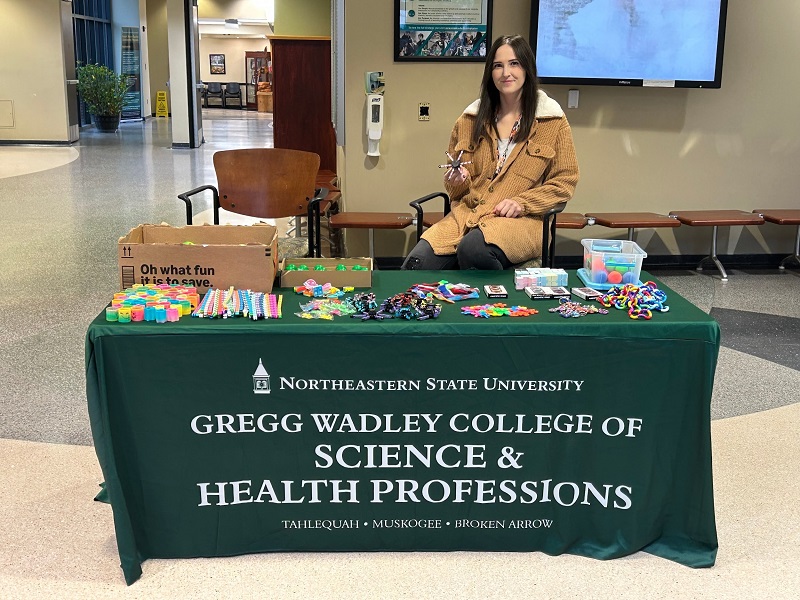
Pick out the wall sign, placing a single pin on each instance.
(132, 107)
(442, 30)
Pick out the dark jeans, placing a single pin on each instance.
(472, 253)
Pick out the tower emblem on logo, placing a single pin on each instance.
(260, 380)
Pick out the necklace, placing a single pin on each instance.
(501, 157)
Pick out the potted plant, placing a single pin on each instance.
(103, 91)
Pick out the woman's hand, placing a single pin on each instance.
(508, 208)
(457, 176)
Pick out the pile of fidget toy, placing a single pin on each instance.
(339, 267)
(640, 301)
(444, 291)
(542, 277)
(498, 310)
(315, 290)
(326, 308)
(152, 302)
(405, 305)
(567, 308)
(364, 306)
(239, 303)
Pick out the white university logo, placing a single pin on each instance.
(260, 380)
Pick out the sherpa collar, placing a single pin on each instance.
(546, 107)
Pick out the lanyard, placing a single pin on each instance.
(501, 158)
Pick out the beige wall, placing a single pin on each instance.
(234, 50)
(305, 17)
(158, 50)
(233, 9)
(639, 149)
(178, 79)
(33, 100)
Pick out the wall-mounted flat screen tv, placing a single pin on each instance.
(657, 43)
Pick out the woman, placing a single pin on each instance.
(522, 163)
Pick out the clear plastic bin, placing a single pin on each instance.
(607, 263)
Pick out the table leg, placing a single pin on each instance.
(336, 238)
(713, 256)
(793, 257)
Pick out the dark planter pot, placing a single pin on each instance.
(106, 123)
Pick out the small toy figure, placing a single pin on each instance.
(454, 165)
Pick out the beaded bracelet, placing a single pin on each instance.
(570, 309)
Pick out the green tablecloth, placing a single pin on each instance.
(588, 436)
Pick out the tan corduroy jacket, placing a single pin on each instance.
(540, 172)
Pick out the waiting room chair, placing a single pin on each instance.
(548, 225)
(268, 183)
(214, 90)
(233, 91)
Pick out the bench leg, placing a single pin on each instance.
(792, 257)
(713, 256)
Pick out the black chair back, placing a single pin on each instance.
(233, 91)
(213, 90)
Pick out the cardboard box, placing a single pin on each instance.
(219, 256)
(358, 279)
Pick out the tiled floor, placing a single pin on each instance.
(61, 212)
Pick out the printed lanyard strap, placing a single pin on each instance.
(501, 158)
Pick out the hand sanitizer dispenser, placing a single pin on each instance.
(374, 123)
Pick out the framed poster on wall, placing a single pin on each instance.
(131, 67)
(442, 30)
(217, 64)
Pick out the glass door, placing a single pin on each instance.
(255, 71)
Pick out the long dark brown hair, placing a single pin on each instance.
(490, 96)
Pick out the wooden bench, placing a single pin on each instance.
(633, 220)
(573, 221)
(784, 216)
(716, 219)
(371, 221)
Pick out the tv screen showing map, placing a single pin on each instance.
(658, 43)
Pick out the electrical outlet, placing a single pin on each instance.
(572, 98)
(424, 111)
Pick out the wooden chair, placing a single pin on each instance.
(548, 225)
(268, 183)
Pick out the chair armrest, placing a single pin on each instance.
(185, 196)
(549, 234)
(314, 227)
(417, 206)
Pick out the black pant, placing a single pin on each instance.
(472, 253)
